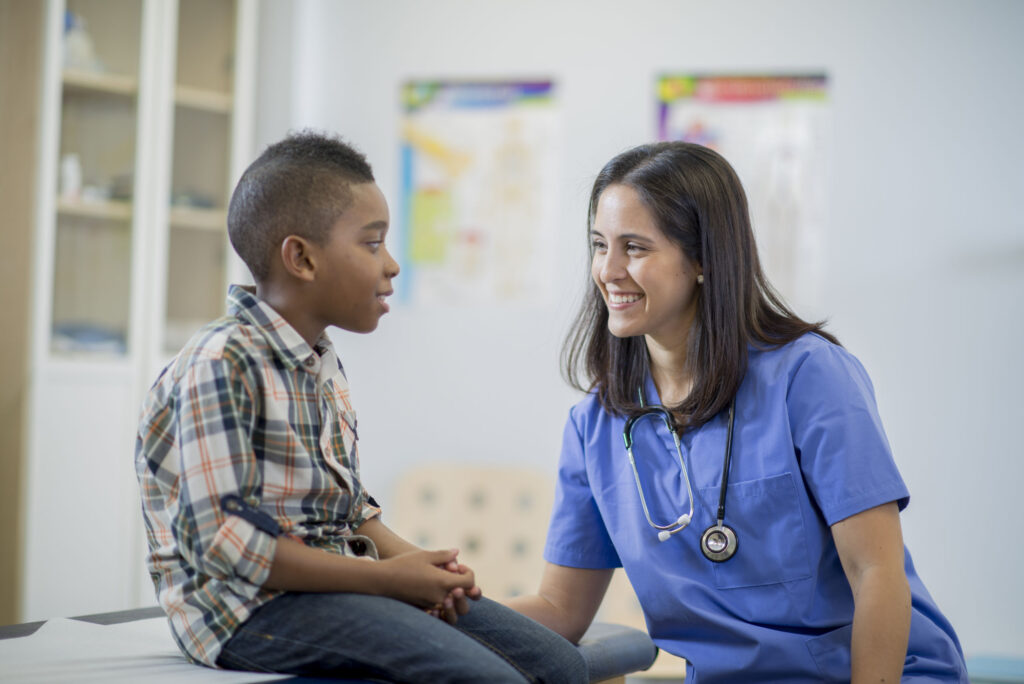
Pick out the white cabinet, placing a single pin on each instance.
(147, 123)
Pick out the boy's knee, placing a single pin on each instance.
(533, 648)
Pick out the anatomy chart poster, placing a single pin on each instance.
(774, 130)
(479, 199)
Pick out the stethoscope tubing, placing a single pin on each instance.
(628, 438)
(728, 462)
(718, 543)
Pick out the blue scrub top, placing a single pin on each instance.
(808, 451)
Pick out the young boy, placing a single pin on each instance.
(266, 551)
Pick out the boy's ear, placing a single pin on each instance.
(298, 258)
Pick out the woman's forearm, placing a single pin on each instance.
(881, 627)
(567, 600)
(870, 546)
(546, 613)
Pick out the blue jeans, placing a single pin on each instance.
(382, 639)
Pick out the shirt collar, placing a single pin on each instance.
(285, 340)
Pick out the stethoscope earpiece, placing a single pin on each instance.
(680, 525)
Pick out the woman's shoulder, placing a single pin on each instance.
(589, 405)
(808, 342)
(588, 414)
(808, 353)
(810, 366)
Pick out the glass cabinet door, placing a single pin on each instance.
(96, 177)
(197, 255)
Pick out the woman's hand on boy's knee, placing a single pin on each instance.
(421, 578)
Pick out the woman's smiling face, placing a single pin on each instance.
(649, 285)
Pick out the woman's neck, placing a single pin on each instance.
(669, 370)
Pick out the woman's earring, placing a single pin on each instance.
(700, 278)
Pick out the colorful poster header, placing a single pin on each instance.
(740, 88)
(417, 95)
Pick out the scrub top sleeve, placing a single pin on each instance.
(577, 536)
(844, 455)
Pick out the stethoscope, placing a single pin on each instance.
(718, 543)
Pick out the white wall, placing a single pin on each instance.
(924, 272)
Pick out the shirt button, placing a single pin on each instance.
(310, 361)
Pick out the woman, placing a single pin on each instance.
(797, 573)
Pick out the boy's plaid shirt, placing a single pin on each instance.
(247, 434)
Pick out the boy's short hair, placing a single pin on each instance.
(298, 186)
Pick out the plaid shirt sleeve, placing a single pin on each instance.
(218, 469)
(367, 507)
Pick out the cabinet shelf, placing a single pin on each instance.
(110, 210)
(200, 219)
(203, 99)
(99, 82)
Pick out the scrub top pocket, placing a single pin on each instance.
(770, 533)
(831, 653)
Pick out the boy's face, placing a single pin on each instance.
(356, 266)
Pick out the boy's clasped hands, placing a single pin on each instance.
(432, 580)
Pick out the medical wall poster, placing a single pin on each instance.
(479, 198)
(774, 132)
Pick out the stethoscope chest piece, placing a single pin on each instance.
(718, 543)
